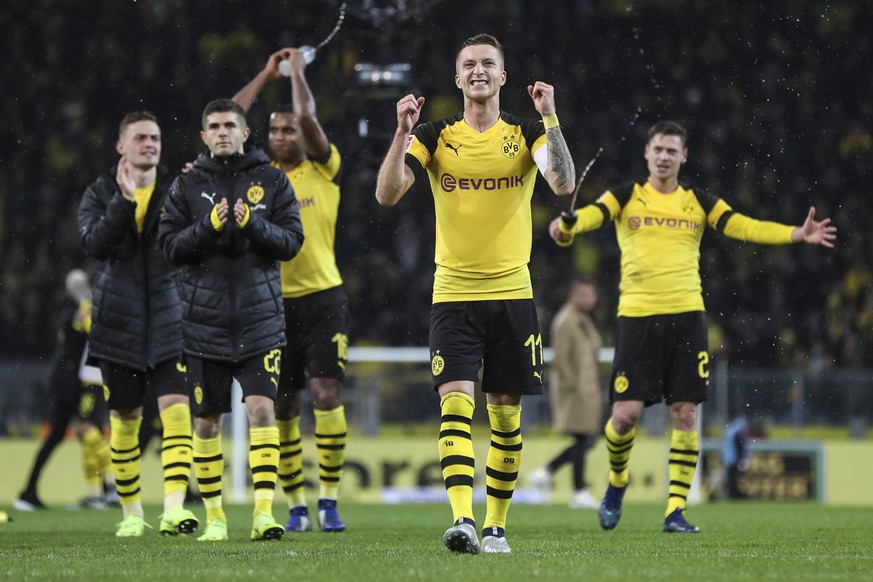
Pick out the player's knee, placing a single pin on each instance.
(326, 393)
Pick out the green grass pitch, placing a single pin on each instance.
(739, 541)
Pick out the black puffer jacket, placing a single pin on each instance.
(136, 320)
(229, 283)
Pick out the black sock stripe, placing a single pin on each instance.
(456, 418)
(124, 451)
(500, 475)
(328, 447)
(325, 479)
(498, 493)
(457, 460)
(684, 452)
(682, 463)
(459, 481)
(330, 468)
(128, 493)
(176, 478)
(452, 432)
(338, 435)
(182, 465)
(263, 446)
(126, 482)
(506, 435)
(264, 469)
(290, 455)
(289, 443)
(217, 457)
(210, 494)
(681, 484)
(501, 447)
(208, 480)
(264, 485)
(118, 461)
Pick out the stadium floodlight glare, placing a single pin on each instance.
(394, 74)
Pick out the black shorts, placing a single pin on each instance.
(87, 402)
(661, 358)
(127, 388)
(211, 380)
(316, 327)
(92, 405)
(500, 336)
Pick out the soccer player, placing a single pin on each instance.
(228, 222)
(481, 164)
(316, 308)
(661, 345)
(574, 390)
(73, 395)
(136, 336)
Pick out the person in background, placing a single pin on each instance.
(735, 453)
(316, 308)
(574, 390)
(76, 391)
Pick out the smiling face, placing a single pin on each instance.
(479, 72)
(141, 143)
(285, 138)
(224, 133)
(665, 155)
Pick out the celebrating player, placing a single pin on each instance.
(661, 345)
(482, 165)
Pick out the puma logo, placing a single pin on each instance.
(208, 197)
(538, 376)
(454, 149)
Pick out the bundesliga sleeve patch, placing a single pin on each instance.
(409, 141)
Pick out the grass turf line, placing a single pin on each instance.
(739, 541)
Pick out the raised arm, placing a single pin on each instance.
(742, 227)
(395, 177)
(560, 171)
(314, 139)
(247, 96)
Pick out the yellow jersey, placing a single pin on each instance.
(482, 184)
(316, 186)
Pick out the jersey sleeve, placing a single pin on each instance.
(420, 148)
(330, 168)
(534, 134)
(742, 227)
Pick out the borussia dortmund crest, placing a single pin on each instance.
(255, 193)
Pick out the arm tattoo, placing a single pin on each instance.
(561, 173)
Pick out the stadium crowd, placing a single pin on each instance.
(775, 98)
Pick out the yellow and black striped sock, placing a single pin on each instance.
(456, 452)
(291, 461)
(93, 444)
(127, 463)
(330, 442)
(176, 453)
(209, 468)
(504, 460)
(618, 450)
(264, 464)
(684, 450)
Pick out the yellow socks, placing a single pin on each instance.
(504, 459)
(618, 449)
(264, 463)
(684, 450)
(95, 457)
(291, 461)
(456, 452)
(127, 463)
(176, 453)
(330, 442)
(209, 467)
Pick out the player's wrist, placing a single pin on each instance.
(550, 121)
